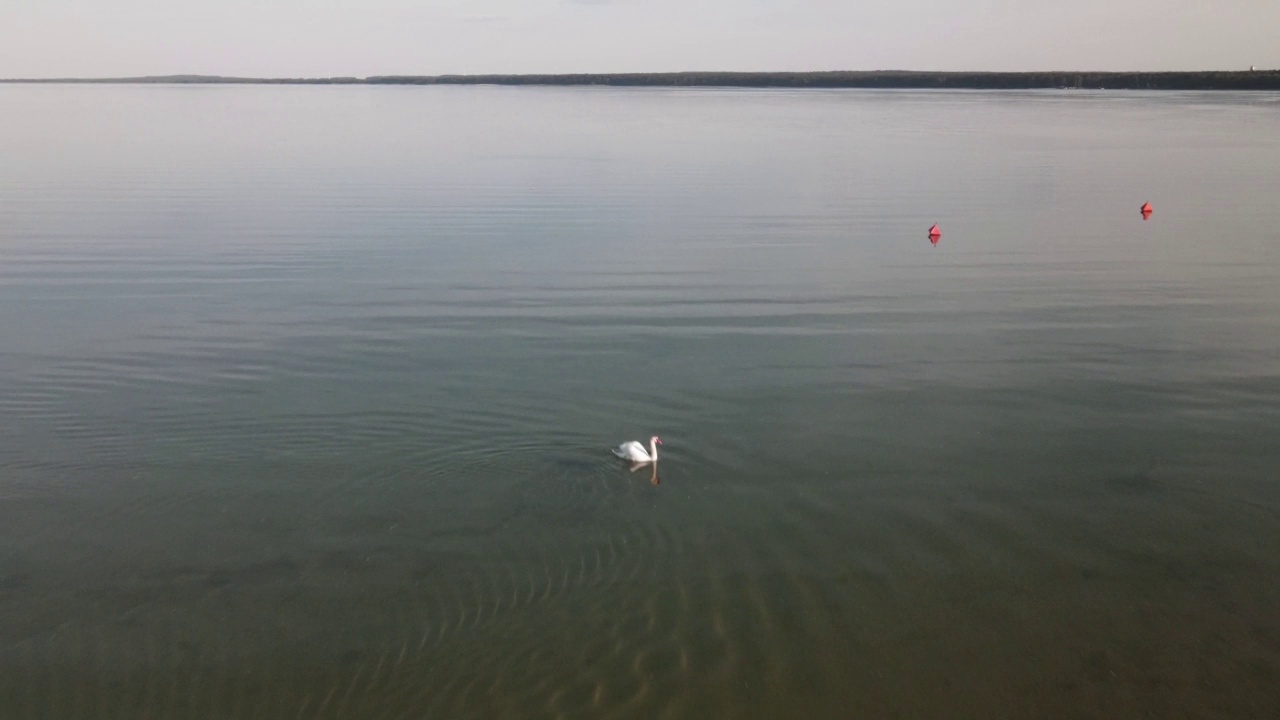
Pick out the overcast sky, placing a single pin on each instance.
(59, 38)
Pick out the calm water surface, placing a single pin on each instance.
(306, 396)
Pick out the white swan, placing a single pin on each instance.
(635, 452)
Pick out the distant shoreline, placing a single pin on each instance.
(886, 79)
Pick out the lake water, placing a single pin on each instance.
(307, 395)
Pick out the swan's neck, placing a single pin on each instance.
(653, 451)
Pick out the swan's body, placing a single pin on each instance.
(636, 453)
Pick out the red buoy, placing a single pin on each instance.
(1146, 210)
(935, 234)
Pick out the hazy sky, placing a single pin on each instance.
(53, 38)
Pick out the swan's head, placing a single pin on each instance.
(656, 440)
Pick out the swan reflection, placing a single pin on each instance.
(653, 476)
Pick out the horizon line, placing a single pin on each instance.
(1251, 79)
